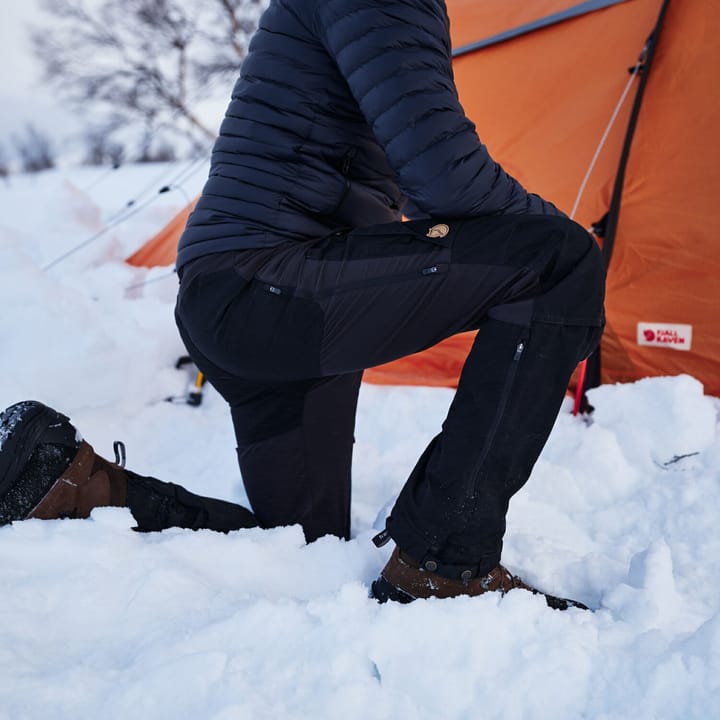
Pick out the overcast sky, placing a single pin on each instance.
(15, 70)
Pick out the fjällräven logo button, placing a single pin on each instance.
(438, 231)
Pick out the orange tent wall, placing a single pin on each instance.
(666, 263)
(161, 248)
(541, 103)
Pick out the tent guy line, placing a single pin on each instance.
(102, 176)
(633, 74)
(109, 226)
(131, 208)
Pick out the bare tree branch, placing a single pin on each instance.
(154, 61)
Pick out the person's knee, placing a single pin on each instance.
(588, 274)
(570, 245)
(574, 278)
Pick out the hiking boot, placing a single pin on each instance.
(403, 580)
(48, 472)
(36, 445)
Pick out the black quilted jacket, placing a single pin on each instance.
(344, 111)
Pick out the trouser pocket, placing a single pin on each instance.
(254, 329)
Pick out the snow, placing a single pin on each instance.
(97, 621)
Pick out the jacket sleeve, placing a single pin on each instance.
(395, 56)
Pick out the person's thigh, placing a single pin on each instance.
(389, 291)
(361, 298)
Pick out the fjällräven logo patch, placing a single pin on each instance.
(668, 335)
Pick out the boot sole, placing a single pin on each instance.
(23, 427)
(382, 591)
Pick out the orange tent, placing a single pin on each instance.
(548, 85)
(162, 247)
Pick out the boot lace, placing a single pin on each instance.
(120, 455)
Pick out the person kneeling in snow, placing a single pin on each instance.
(296, 274)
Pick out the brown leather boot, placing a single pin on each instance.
(48, 472)
(403, 580)
(37, 444)
(89, 481)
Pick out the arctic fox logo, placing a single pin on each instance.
(438, 231)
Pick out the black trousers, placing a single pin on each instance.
(285, 333)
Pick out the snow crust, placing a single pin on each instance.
(97, 621)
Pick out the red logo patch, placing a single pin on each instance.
(674, 336)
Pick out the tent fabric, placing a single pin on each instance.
(561, 16)
(161, 248)
(541, 102)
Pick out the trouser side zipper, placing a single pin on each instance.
(507, 388)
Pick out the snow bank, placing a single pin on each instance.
(99, 621)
